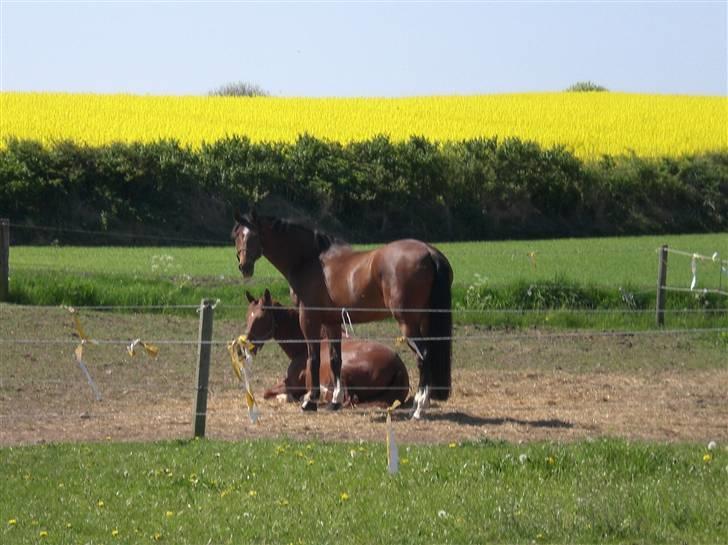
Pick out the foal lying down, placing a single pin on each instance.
(370, 373)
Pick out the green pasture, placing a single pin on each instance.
(602, 273)
(280, 491)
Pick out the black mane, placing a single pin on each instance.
(322, 241)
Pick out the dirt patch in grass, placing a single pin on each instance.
(515, 387)
(512, 406)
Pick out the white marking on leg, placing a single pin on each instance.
(338, 396)
(422, 400)
(419, 397)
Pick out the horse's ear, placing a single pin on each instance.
(267, 299)
(254, 216)
(249, 296)
(238, 216)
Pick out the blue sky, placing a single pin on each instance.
(363, 48)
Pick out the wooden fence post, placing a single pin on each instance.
(203, 365)
(661, 283)
(4, 259)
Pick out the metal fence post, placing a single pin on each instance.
(203, 365)
(661, 283)
(4, 259)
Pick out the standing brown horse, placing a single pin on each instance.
(370, 372)
(407, 279)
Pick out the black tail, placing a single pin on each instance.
(439, 352)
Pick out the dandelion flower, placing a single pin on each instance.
(550, 460)
(344, 496)
(12, 522)
(252, 493)
(453, 445)
(169, 514)
(101, 504)
(707, 458)
(43, 533)
(114, 532)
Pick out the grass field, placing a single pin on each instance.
(605, 273)
(589, 124)
(606, 491)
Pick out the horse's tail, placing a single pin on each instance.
(439, 352)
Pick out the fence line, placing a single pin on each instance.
(490, 336)
(484, 311)
(226, 241)
(697, 291)
(116, 234)
(714, 258)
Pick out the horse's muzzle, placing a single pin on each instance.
(247, 269)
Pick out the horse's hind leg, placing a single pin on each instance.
(312, 332)
(409, 325)
(334, 335)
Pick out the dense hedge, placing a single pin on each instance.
(364, 191)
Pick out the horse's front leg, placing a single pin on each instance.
(334, 336)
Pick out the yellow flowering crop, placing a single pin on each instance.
(590, 124)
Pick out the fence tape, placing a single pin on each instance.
(78, 353)
(392, 451)
(241, 358)
(344, 318)
(151, 349)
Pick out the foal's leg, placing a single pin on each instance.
(334, 335)
(311, 329)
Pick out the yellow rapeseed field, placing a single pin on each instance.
(590, 124)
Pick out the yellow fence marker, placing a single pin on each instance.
(78, 352)
(240, 358)
(392, 452)
(151, 350)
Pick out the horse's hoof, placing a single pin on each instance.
(309, 406)
(333, 406)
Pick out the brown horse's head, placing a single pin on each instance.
(260, 322)
(248, 247)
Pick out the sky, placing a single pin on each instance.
(390, 49)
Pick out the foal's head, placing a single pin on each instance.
(260, 321)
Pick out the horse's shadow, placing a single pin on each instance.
(464, 419)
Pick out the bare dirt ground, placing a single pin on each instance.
(523, 387)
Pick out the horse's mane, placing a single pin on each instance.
(322, 241)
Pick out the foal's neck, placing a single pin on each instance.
(288, 328)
